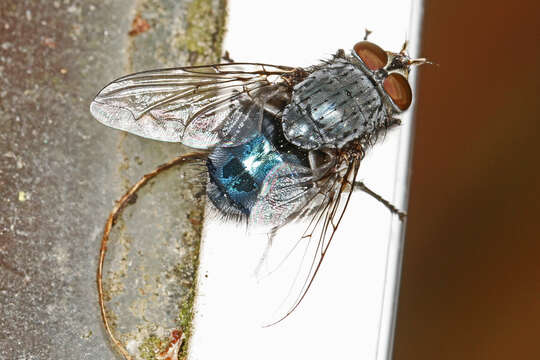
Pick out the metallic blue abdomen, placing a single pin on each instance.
(237, 173)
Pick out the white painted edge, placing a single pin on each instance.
(350, 312)
(401, 196)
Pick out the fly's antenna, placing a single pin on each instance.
(414, 62)
(421, 61)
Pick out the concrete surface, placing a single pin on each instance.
(61, 171)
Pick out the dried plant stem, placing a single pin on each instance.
(120, 205)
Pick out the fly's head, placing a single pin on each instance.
(389, 70)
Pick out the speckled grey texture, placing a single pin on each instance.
(60, 172)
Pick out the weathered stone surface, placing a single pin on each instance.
(60, 172)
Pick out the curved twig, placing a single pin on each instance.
(111, 220)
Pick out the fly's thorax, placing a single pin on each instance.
(337, 103)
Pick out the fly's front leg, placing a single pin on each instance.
(361, 186)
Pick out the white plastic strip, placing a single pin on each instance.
(350, 310)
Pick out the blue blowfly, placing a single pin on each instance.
(279, 143)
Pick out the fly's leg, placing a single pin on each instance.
(361, 186)
(129, 197)
(394, 122)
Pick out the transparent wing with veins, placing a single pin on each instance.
(199, 106)
(327, 214)
(324, 204)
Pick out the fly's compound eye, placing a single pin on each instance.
(399, 90)
(373, 56)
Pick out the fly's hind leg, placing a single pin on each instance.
(361, 186)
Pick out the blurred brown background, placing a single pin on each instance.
(471, 276)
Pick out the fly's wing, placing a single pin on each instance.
(287, 189)
(288, 197)
(199, 106)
